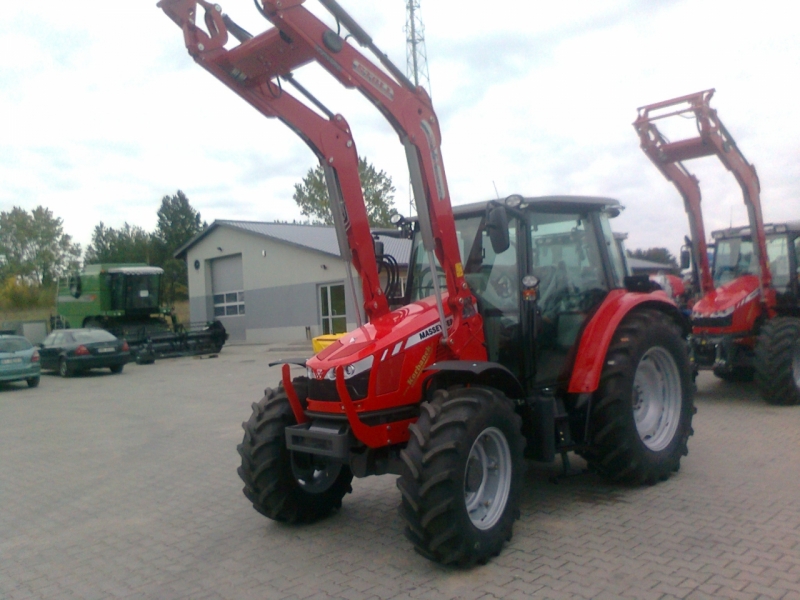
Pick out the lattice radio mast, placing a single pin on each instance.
(416, 59)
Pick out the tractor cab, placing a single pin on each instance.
(733, 258)
(535, 292)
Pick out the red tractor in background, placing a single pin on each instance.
(520, 336)
(746, 322)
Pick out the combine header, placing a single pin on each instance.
(124, 299)
(520, 337)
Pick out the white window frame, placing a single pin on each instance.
(228, 304)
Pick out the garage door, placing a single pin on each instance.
(227, 283)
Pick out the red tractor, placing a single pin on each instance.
(520, 337)
(747, 321)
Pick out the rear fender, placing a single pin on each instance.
(473, 372)
(601, 327)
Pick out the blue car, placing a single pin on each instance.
(19, 360)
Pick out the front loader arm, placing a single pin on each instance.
(407, 108)
(330, 139)
(713, 139)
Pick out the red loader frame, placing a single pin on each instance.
(713, 140)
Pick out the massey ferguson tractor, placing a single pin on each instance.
(747, 321)
(521, 337)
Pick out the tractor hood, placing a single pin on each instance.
(717, 308)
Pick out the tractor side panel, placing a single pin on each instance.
(597, 335)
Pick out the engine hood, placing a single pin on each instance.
(416, 321)
(727, 298)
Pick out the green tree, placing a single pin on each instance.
(130, 244)
(311, 195)
(658, 255)
(178, 222)
(35, 247)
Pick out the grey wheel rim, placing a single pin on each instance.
(657, 398)
(312, 476)
(62, 368)
(796, 365)
(487, 478)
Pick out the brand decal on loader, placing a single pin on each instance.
(420, 366)
(375, 81)
(427, 332)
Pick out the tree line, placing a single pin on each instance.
(35, 251)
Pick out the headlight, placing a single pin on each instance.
(721, 314)
(350, 371)
(358, 367)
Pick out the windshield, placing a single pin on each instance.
(86, 336)
(734, 257)
(475, 250)
(134, 291)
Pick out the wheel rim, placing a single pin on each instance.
(314, 474)
(657, 398)
(62, 368)
(796, 365)
(487, 478)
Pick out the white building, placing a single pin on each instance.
(273, 282)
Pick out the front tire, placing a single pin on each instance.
(462, 475)
(778, 361)
(643, 409)
(283, 485)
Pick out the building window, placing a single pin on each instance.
(228, 304)
(332, 309)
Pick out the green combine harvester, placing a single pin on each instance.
(125, 300)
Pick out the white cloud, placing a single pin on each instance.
(104, 111)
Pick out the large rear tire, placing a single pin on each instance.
(642, 412)
(284, 485)
(778, 361)
(461, 476)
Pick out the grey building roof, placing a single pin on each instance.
(639, 264)
(320, 238)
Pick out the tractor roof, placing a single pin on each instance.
(547, 203)
(769, 228)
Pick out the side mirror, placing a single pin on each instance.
(497, 228)
(686, 258)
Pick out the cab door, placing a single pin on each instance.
(565, 256)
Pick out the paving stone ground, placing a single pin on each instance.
(125, 486)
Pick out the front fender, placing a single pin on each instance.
(476, 372)
(600, 329)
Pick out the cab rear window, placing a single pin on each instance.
(14, 344)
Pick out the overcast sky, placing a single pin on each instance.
(104, 112)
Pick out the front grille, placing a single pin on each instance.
(712, 322)
(325, 389)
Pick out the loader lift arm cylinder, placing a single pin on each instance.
(407, 108)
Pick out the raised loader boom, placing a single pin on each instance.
(298, 38)
(712, 140)
(330, 138)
